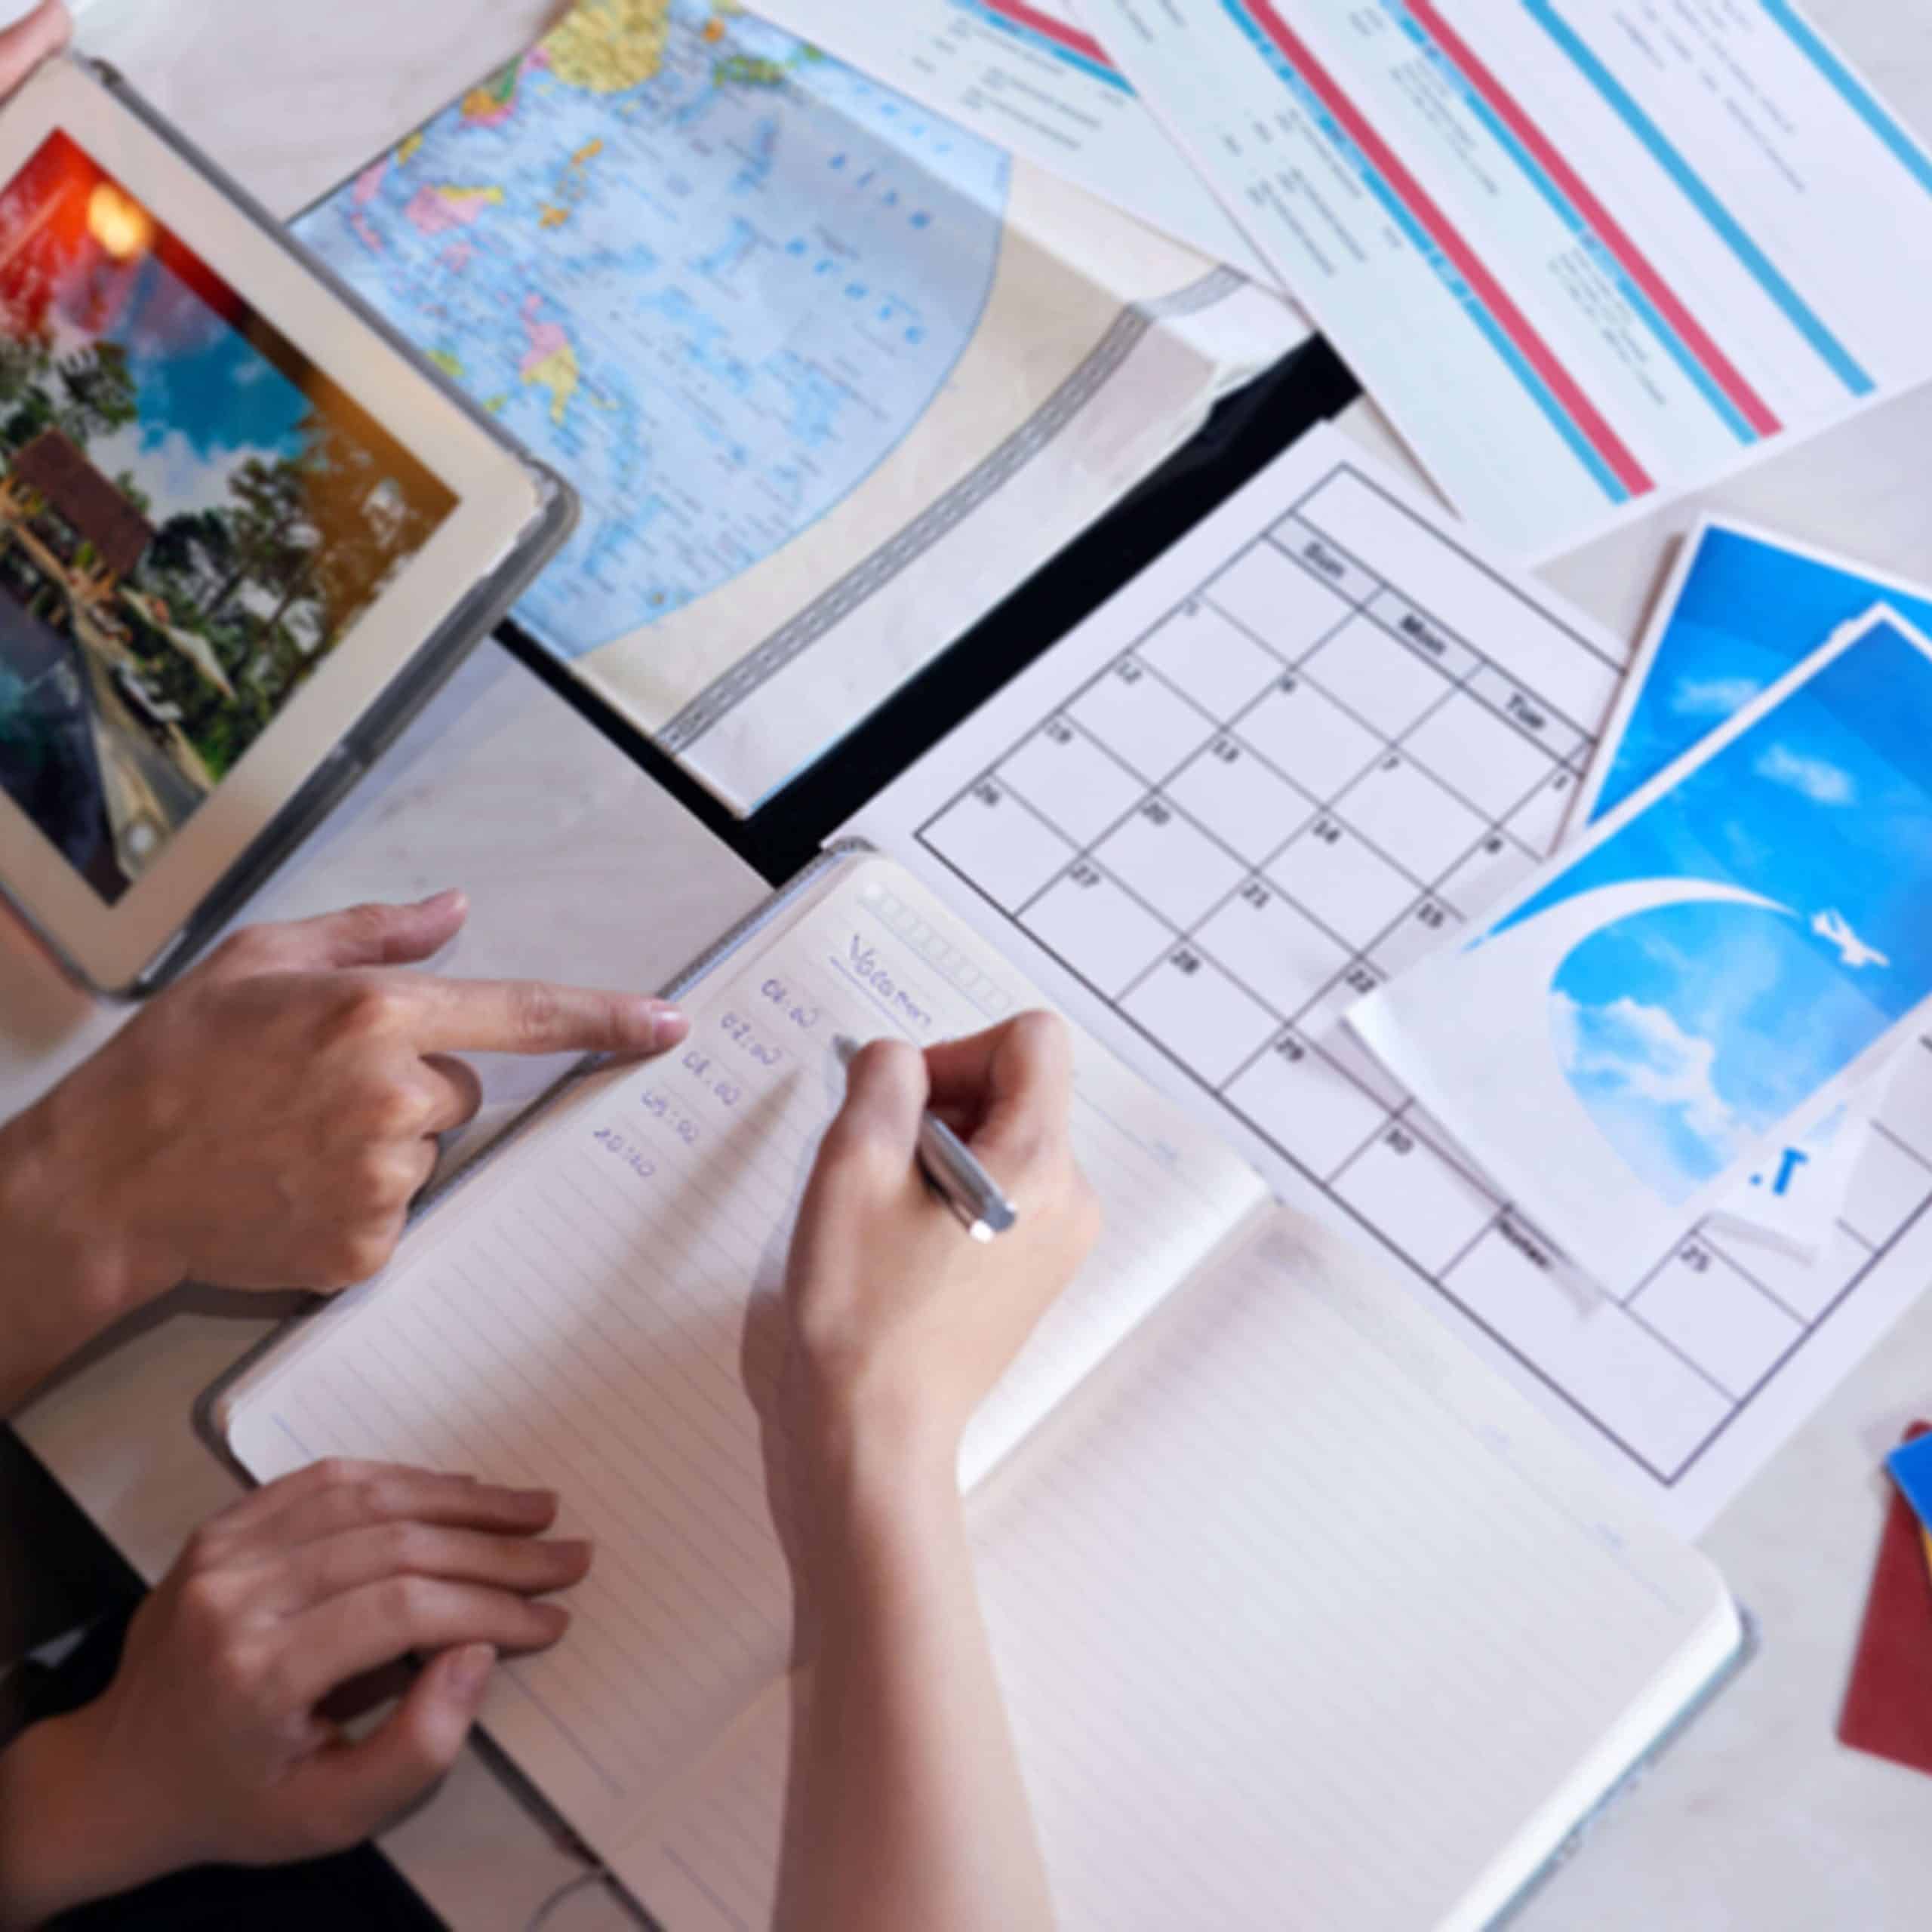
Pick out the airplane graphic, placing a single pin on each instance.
(1833, 925)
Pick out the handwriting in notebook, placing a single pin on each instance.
(800, 1012)
(598, 1316)
(621, 1147)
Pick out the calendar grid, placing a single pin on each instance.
(1911, 1153)
(1224, 728)
(1467, 1249)
(1248, 630)
(1586, 732)
(1211, 745)
(1689, 1361)
(1294, 781)
(1797, 1314)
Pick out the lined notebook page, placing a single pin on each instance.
(580, 1317)
(1304, 1621)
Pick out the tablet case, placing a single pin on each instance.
(434, 661)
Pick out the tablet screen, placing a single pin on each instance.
(192, 519)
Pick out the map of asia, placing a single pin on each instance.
(712, 276)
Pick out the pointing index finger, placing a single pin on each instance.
(535, 1016)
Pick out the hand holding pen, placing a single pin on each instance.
(950, 1169)
(900, 1325)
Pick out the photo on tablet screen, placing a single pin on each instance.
(192, 519)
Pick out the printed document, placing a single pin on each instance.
(1584, 254)
(1027, 75)
(1315, 740)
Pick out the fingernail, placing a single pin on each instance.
(470, 1670)
(535, 1499)
(670, 1028)
(556, 1617)
(450, 898)
(576, 1549)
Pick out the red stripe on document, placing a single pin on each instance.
(1066, 34)
(1515, 325)
(1723, 371)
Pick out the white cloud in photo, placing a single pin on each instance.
(1712, 697)
(1817, 779)
(1639, 1052)
(169, 471)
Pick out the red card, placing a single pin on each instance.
(1888, 1708)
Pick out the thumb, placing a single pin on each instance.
(360, 1787)
(23, 48)
(371, 935)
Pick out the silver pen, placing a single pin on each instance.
(950, 1169)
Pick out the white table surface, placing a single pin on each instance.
(580, 867)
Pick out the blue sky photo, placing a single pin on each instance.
(208, 398)
(1749, 613)
(1690, 1031)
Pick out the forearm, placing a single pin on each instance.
(64, 1838)
(908, 1808)
(63, 1280)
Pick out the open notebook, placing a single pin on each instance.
(1304, 1618)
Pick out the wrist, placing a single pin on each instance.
(65, 1231)
(873, 1464)
(69, 1832)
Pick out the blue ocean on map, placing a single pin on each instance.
(712, 276)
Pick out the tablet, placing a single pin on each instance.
(244, 531)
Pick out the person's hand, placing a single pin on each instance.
(212, 1744)
(24, 46)
(265, 1122)
(901, 1323)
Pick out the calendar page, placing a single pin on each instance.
(1315, 739)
